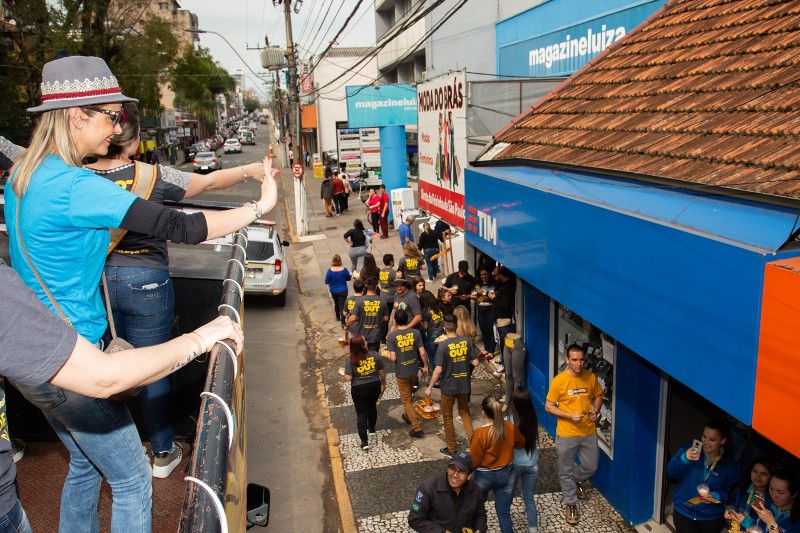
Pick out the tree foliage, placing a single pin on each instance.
(197, 80)
(251, 102)
(139, 47)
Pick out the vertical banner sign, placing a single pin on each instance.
(371, 148)
(442, 124)
(349, 140)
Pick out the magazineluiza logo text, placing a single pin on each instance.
(592, 43)
(375, 104)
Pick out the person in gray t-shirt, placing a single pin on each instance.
(405, 347)
(368, 313)
(407, 299)
(453, 357)
(55, 353)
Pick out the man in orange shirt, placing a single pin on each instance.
(575, 397)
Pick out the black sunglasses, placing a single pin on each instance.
(117, 117)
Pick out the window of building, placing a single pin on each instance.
(601, 349)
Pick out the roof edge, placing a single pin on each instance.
(771, 199)
(587, 66)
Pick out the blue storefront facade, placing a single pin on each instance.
(671, 280)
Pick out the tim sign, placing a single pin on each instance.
(442, 123)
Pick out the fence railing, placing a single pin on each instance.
(216, 492)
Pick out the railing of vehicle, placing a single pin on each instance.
(216, 492)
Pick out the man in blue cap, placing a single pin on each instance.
(449, 501)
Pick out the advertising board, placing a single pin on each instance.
(386, 105)
(442, 126)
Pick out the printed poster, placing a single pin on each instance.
(442, 124)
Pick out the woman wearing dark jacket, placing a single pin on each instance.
(705, 478)
(358, 245)
(429, 244)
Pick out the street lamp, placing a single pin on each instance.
(197, 30)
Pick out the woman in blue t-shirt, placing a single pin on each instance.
(365, 371)
(61, 213)
(336, 279)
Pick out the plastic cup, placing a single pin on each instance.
(702, 490)
(754, 529)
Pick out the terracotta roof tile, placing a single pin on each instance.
(708, 92)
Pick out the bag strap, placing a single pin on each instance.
(108, 307)
(36, 272)
(142, 188)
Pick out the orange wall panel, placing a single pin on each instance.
(777, 392)
(308, 116)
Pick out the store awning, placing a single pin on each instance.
(740, 222)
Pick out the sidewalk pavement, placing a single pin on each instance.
(375, 489)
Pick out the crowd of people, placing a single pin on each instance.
(59, 207)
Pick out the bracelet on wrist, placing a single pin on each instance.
(256, 209)
(198, 342)
(244, 172)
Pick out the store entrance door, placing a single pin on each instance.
(686, 414)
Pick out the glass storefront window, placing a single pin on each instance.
(601, 349)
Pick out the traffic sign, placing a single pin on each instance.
(297, 170)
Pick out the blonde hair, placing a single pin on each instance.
(492, 409)
(410, 249)
(465, 327)
(51, 135)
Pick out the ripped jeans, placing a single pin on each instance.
(143, 304)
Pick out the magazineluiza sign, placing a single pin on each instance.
(386, 105)
(563, 40)
(442, 126)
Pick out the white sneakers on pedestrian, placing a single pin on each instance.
(165, 462)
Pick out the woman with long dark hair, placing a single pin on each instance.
(365, 371)
(138, 283)
(526, 460)
(492, 449)
(357, 240)
(705, 475)
(370, 268)
(755, 487)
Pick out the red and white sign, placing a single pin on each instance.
(442, 125)
(297, 170)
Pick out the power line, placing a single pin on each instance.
(399, 60)
(319, 31)
(386, 39)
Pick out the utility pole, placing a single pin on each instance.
(301, 220)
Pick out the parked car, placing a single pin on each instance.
(206, 162)
(233, 145)
(193, 149)
(247, 137)
(266, 270)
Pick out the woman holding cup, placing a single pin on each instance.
(783, 513)
(704, 477)
(755, 489)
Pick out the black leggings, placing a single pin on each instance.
(373, 218)
(687, 525)
(365, 399)
(338, 304)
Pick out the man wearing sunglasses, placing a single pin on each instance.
(449, 501)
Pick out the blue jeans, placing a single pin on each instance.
(102, 441)
(529, 474)
(15, 521)
(433, 265)
(501, 481)
(143, 304)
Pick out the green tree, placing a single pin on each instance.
(197, 80)
(251, 102)
(143, 62)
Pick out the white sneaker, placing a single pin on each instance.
(165, 462)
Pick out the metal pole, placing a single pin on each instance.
(301, 222)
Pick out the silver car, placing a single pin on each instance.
(266, 270)
(233, 145)
(206, 162)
